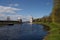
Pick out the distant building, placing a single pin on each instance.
(31, 19)
(19, 19)
(8, 18)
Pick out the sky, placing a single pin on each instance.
(25, 8)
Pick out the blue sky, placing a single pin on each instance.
(36, 8)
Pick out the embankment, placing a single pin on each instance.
(53, 31)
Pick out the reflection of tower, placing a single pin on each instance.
(8, 18)
(31, 19)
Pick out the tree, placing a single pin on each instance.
(56, 11)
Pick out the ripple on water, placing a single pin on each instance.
(22, 32)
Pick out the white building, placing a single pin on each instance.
(31, 19)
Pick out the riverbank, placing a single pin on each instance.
(2, 23)
(54, 32)
(47, 28)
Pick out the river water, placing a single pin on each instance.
(23, 31)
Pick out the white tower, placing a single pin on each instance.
(19, 18)
(31, 19)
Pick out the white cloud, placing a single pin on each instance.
(14, 5)
(2, 14)
(14, 17)
(4, 9)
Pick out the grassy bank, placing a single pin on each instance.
(54, 31)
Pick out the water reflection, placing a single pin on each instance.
(24, 31)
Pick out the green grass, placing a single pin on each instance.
(54, 32)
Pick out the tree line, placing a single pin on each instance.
(54, 17)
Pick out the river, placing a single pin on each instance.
(23, 31)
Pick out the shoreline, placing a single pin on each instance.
(46, 27)
(3, 23)
(53, 32)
